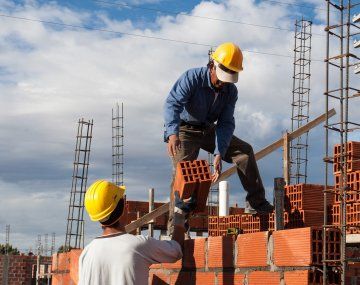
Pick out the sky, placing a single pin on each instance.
(65, 60)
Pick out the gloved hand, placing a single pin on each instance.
(185, 206)
(182, 209)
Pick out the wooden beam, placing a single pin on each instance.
(275, 145)
(147, 218)
(227, 173)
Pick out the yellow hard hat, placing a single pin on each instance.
(228, 62)
(101, 199)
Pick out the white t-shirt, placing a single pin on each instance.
(124, 259)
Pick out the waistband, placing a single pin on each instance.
(200, 127)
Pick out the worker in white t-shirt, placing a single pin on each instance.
(117, 258)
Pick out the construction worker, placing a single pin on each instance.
(115, 257)
(199, 114)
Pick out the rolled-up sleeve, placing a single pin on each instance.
(160, 251)
(175, 102)
(225, 126)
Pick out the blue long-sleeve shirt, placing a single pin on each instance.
(192, 100)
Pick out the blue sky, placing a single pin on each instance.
(53, 75)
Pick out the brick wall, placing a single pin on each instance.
(22, 268)
(288, 257)
(65, 267)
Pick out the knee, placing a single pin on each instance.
(247, 148)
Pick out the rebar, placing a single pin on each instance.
(75, 221)
(300, 100)
(338, 34)
(118, 145)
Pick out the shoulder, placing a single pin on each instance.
(233, 91)
(198, 73)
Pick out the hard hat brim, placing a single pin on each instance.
(224, 76)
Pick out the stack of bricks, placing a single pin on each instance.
(290, 257)
(65, 267)
(352, 186)
(303, 208)
(21, 269)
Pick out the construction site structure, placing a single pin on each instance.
(52, 249)
(341, 62)
(75, 221)
(7, 238)
(46, 245)
(300, 101)
(118, 145)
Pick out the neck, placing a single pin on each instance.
(115, 229)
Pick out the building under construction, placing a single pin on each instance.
(313, 235)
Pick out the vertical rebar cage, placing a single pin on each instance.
(340, 60)
(118, 145)
(52, 250)
(7, 239)
(75, 221)
(300, 100)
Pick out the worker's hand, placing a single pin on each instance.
(174, 145)
(217, 168)
(185, 206)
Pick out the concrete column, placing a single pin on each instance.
(279, 194)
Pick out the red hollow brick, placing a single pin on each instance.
(194, 253)
(220, 251)
(204, 278)
(303, 247)
(293, 247)
(264, 277)
(230, 278)
(179, 278)
(252, 249)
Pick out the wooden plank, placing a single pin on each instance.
(147, 218)
(227, 173)
(275, 145)
(286, 158)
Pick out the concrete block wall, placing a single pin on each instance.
(290, 257)
(21, 269)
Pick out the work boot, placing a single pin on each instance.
(248, 209)
(264, 208)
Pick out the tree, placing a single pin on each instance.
(9, 248)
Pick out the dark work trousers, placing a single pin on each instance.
(239, 152)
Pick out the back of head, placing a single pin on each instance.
(104, 202)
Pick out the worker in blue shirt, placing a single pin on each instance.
(199, 114)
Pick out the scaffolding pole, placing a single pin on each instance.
(339, 29)
(75, 221)
(300, 100)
